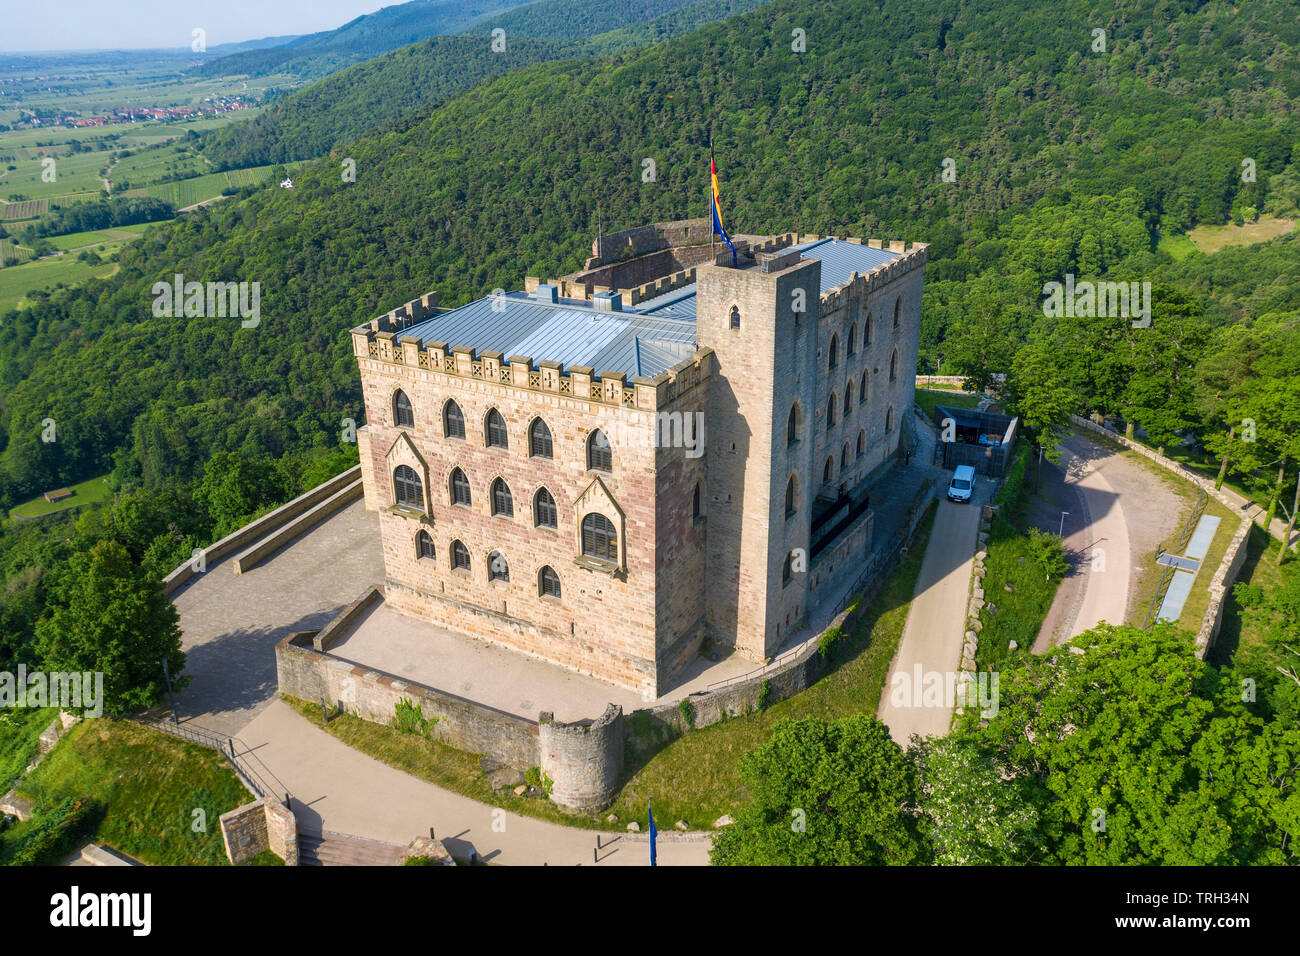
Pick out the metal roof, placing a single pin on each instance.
(568, 331)
(841, 259)
(645, 340)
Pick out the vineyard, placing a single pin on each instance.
(28, 209)
(12, 255)
(187, 192)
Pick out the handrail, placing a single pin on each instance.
(226, 746)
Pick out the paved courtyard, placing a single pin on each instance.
(232, 622)
(497, 676)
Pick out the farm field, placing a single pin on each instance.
(27, 209)
(187, 192)
(77, 173)
(1210, 239)
(17, 281)
(80, 240)
(12, 255)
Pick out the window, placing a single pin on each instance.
(829, 471)
(893, 366)
(853, 340)
(862, 389)
(787, 569)
(844, 457)
(889, 420)
(498, 569)
(866, 331)
(600, 457)
(898, 313)
(598, 537)
(424, 545)
(548, 582)
(539, 440)
(862, 442)
(453, 422)
(834, 353)
(406, 487)
(830, 413)
(503, 503)
(496, 430)
(459, 488)
(543, 509)
(735, 317)
(459, 556)
(403, 414)
(792, 426)
(791, 497)
(848, 397)
(697, 511)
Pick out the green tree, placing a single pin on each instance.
(977, 810)
(825, 793)
(111, 618)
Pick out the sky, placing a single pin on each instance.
(134, 24)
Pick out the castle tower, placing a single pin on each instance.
(761, 322)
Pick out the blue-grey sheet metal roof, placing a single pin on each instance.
(567, 331)
(678, 304)
(841, 259)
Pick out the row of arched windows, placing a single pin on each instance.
(600, 454)
(847, 457)
(548, 582)
(408, 491)
(851, 339)
(795, 419)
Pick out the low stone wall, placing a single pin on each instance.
(303, 523)
(313, 675)
(257, 827)
(262, 526)
(1226, 573)
(329, 635)
(1220, 585)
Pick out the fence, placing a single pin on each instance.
(254, 774)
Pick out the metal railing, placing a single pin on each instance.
(1184, 537)
(256, 775)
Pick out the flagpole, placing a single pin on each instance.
(713, 253)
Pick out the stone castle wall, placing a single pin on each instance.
(583, 760)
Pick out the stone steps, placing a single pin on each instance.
(340, 849)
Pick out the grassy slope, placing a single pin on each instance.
(94, 489)
(20, 731)
(150, 783)
(17, 281)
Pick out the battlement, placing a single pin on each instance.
(519, 371)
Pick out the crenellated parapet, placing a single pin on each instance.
(390, 347)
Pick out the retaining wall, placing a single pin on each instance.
(264, 525)
(257, 827)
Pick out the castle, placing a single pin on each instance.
(607, 469)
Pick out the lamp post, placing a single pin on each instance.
(1061, 533)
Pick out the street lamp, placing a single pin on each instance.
(1061, 532)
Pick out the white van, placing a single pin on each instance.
(962, 484)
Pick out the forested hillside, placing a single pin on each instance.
(308, 123)
(1066, 160)
(367, 36)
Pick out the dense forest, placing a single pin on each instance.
(1066, 160)
(371, 95)
(367, 36)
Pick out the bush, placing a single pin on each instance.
(687, 710)
(1013, 482)
(827, 642)
(58, 832)
(764, 694)
(410, 719)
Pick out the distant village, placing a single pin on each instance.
(211, 106)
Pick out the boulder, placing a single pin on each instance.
(1012, 645)
(612, 818)
(682, 825)
(634, 827)
(980, 556)
(724, 821)
(1009, 588)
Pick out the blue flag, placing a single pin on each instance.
(717, 209)
(653, 831)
